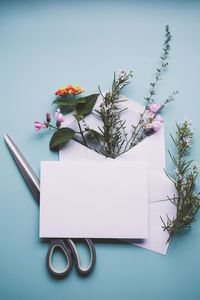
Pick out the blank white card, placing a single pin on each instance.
(107, 199)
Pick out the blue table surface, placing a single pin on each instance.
(47, 44)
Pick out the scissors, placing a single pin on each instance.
(67, 246)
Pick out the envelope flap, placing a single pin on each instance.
(151, 149)
(132, 106)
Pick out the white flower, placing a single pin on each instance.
(188, 141)
(188, 120)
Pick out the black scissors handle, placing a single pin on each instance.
(69, 250)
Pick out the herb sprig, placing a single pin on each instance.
(112, 134)
(184, 178)
(139, 131)
(112, 138)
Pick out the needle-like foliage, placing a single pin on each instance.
(113, 139)
(184, 178)
(113, 128)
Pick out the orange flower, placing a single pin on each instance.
(69, 89)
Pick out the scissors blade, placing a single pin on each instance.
(24, 167)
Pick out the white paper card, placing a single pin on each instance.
(90, 199)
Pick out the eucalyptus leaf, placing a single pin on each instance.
(85, 105)
(60, 137)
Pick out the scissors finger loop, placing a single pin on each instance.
(81, 270)
(57, 243)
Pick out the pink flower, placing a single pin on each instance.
(156, 123)
(154, 107)
(39, 125)
(159, 118)
(59, 117)
(151, 115)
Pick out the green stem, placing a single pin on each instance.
(58, 128)
(135, 132)
(52, 126)
(81, 132)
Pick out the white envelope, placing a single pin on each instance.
(151, 150)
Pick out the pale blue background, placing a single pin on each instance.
(46, 44)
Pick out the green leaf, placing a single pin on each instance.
(85, 105)
(60, 137)
(62, 102)
(81, 100)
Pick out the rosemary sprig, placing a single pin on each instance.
(184, 178)
(112, 133)
(112, 137)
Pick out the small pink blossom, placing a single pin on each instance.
(154, 107)
(159, 118)
(59, 117)
(156, 123)
(39, 125)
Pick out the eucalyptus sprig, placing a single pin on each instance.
(184, 178)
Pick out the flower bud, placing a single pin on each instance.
(48, 117)
(58, 124)
(39, 125)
